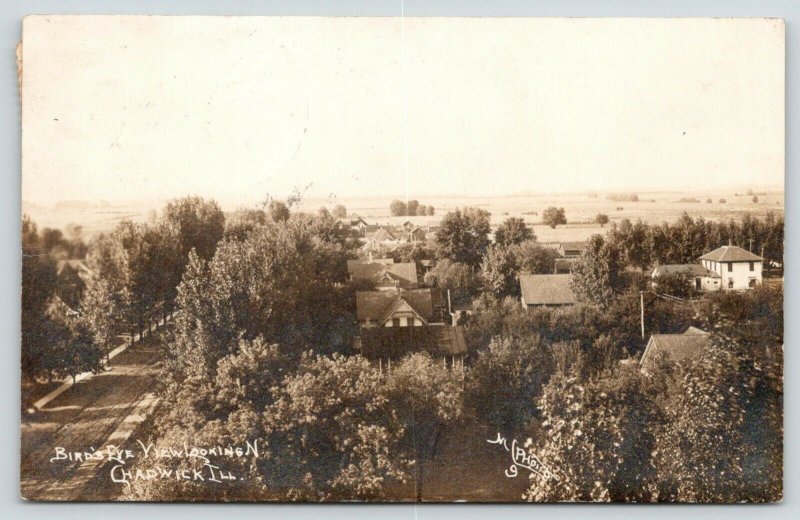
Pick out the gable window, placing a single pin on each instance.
(752, 266)
(730, 266)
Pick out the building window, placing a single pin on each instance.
(396, 322)
(730, 266)
(752, 266)
(730, 283)
(752, 282)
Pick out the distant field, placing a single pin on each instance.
(580, 210)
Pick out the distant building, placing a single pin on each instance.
(382, 237)
(417, 235)
(739, 269)
(384, 275)
(355, 223)
(546, 290)
(700, 278)
(71, 279)
(571, 249)
(674, 348)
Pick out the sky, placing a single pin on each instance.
(240, 108)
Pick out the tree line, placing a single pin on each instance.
(135, 270)
(412, 208)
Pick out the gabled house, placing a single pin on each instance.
(700, 278)
(71, 279)
(394, 308)
(546, 290)
(739, 269)
(355, 224)
(384, 275)
(417, 235)
(674, 348)
(381, 237)
(396, 323)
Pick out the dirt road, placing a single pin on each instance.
(103, 410)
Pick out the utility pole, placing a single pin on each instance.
(641, 306)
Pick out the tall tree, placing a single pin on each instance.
(99, 314)
(398, 208)
(199, 224)
(533, 258)
(278, 211)
(505, 380)
(596, 274)
(554, 216)
(499, 271)
(426, 396)
(334, 433)
(513, 231)
(463, 236)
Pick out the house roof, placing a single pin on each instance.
(376, 305)
(731, 254)
(352, 265)
(573, 246)
(405, 272)
(675, 347)
(381, 235)
(547, 289)
(397, 342)
(688, 269)
(76, 265)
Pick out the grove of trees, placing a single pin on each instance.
(413, 208)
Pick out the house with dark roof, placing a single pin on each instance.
(384, 345)
(739, 269)
(698, 276)
(674, 348)
(395, 308)
(383, 276)
(71, 279)
(395, 323)
(546, 290)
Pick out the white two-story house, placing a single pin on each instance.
(739, 269)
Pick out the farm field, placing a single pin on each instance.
(652, 207)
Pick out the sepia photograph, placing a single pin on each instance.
(402, 259)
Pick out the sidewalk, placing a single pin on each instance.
(69, 383)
